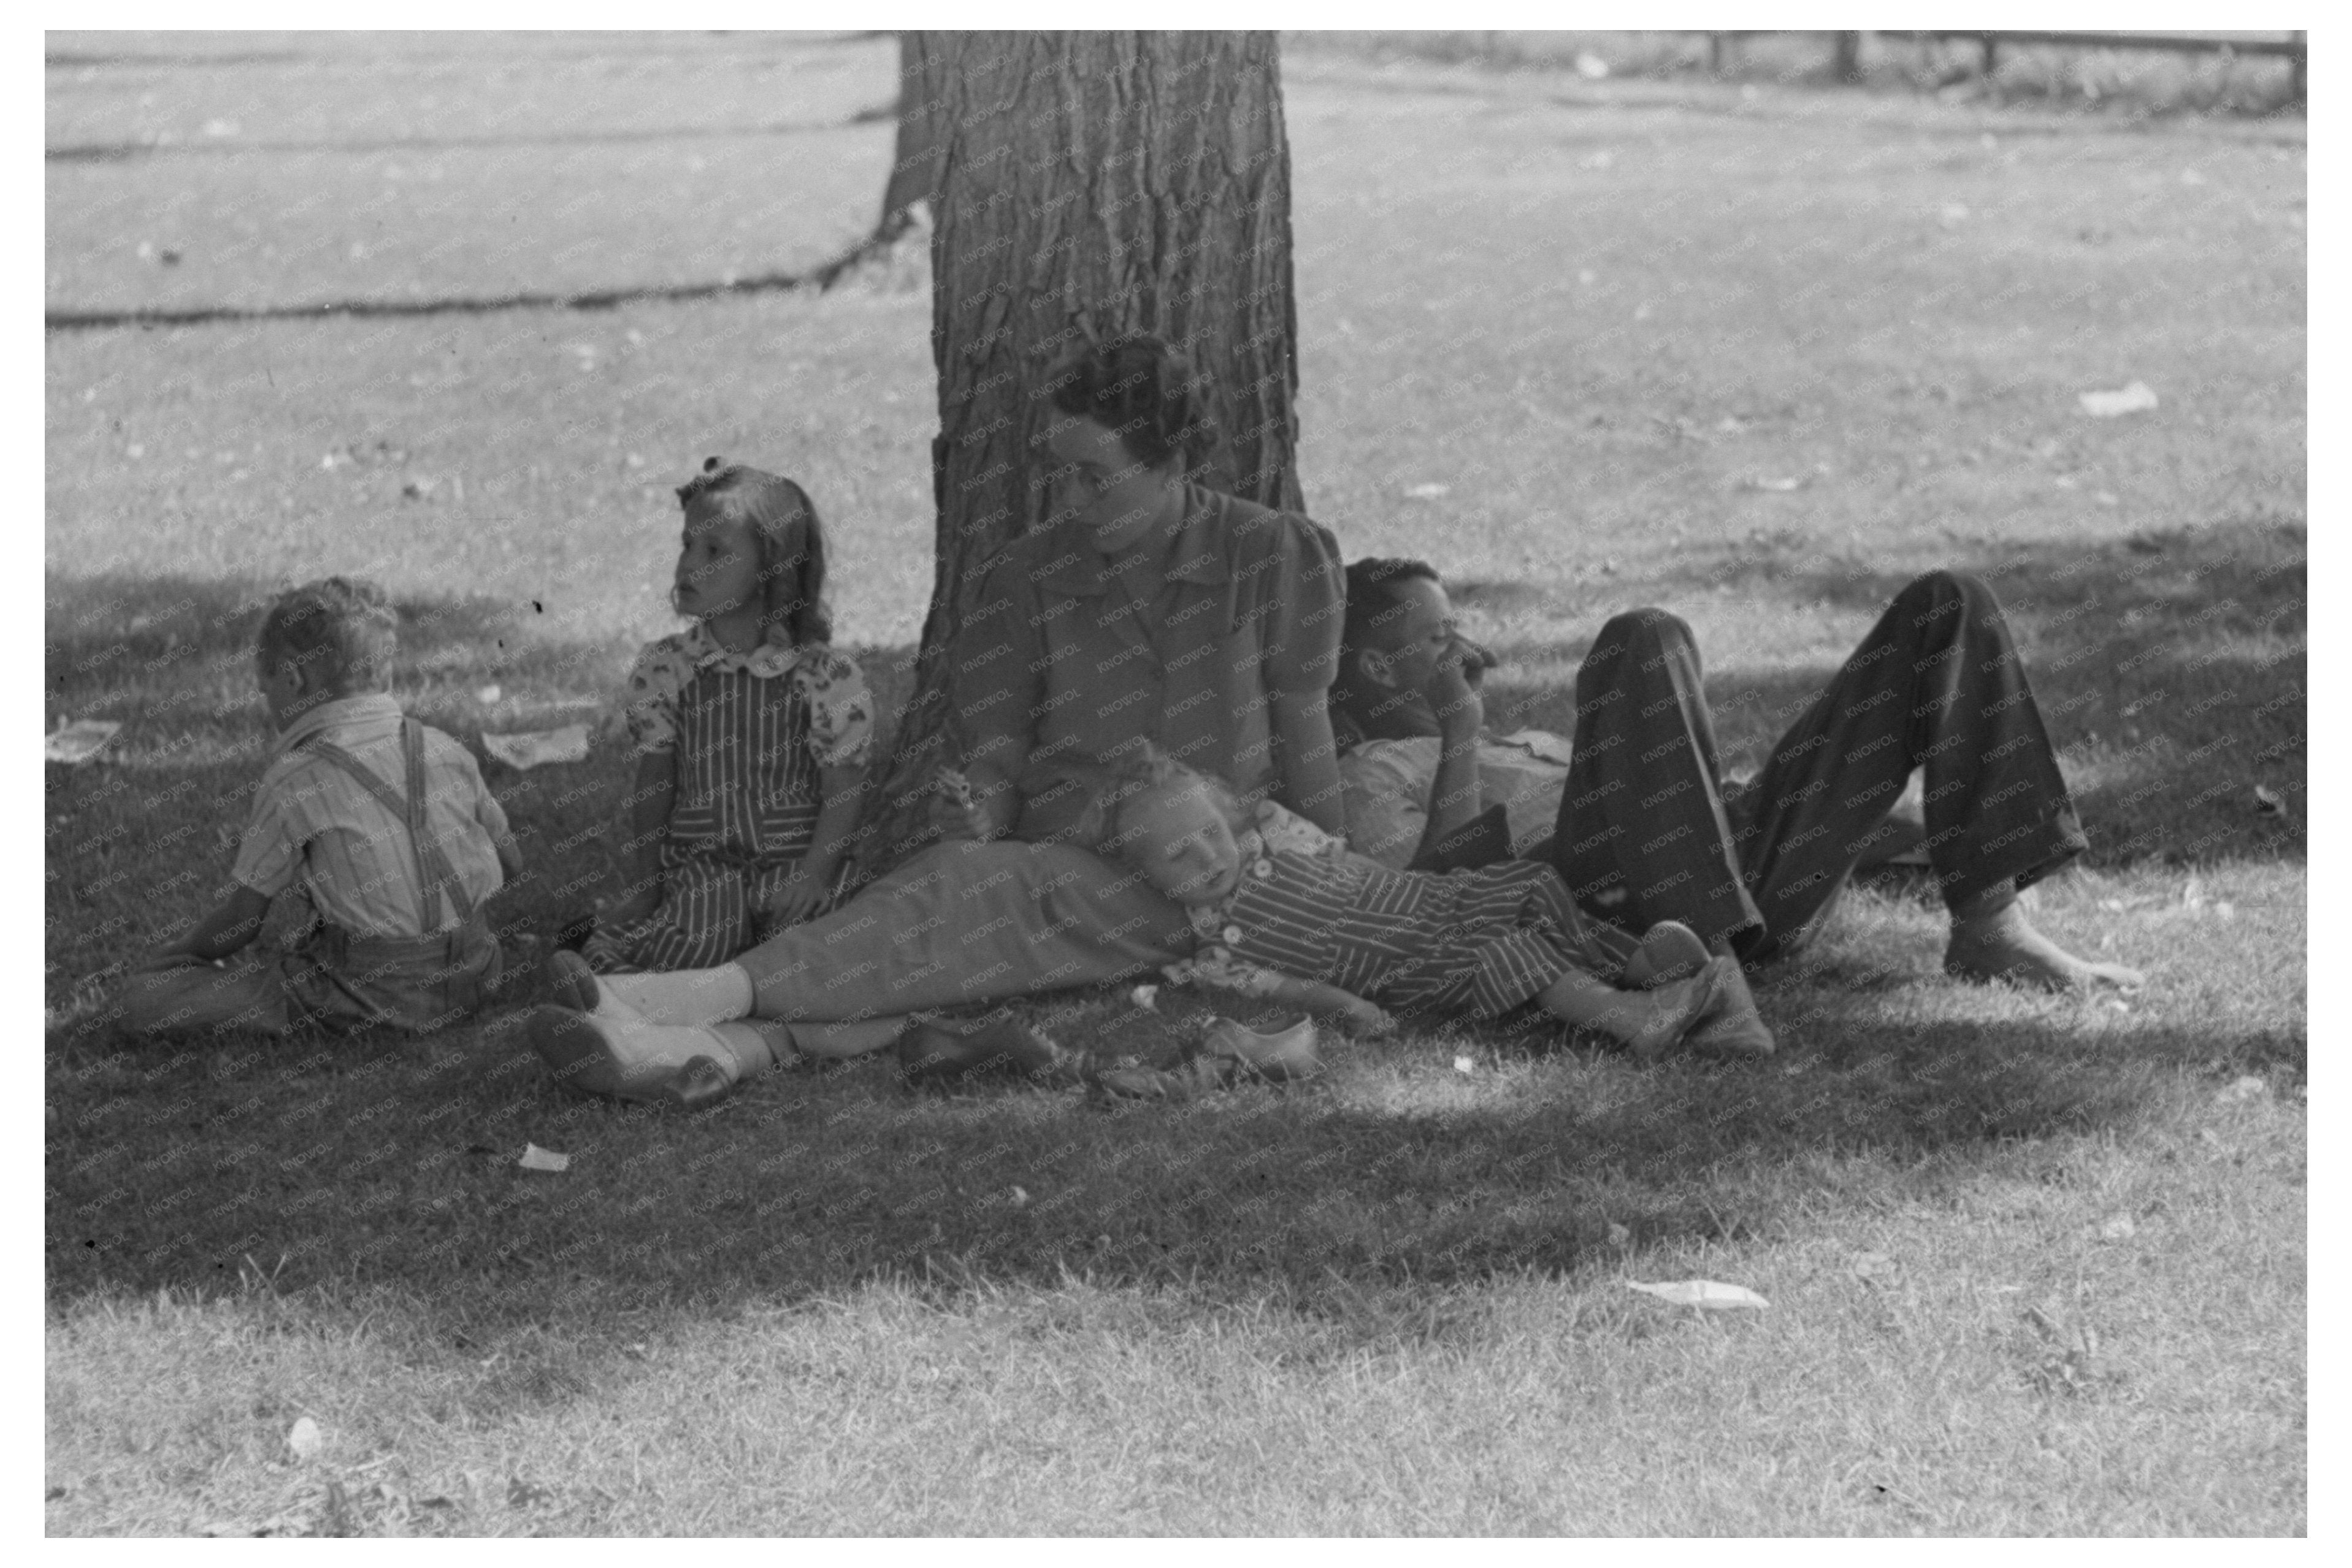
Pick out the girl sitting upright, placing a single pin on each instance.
(1282, 911)
(751, 733)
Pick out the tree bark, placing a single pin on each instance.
(1090, 184)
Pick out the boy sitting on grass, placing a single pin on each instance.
(384, 822)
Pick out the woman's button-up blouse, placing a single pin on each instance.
(1067, 659)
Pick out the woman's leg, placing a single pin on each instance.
(960, 923)
(964, 922)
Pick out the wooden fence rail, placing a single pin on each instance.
(2294, 48)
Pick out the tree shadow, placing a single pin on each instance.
(379, 1160)
(140, 838)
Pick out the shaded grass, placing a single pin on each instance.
(1898, 1385)
(382, 1159)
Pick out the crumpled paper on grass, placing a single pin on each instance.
(2136, 398)
(79, 741)
(527, 748)
(1708, 1295)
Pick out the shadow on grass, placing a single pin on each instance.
(2169, 669)
(379, 1160)
(140, 840)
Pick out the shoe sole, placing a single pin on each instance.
(583, 1062)
(698, 1085)
(574, 1049)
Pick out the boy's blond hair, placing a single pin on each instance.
(344, 627)
(1146, 771)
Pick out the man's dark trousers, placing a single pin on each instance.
(1645, 833)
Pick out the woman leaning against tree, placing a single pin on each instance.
(1150, 610)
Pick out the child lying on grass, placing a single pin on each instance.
(384, 822)
(1287, 914)
(1283, 912)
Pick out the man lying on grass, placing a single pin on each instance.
(1645, 828)
(1648, 832)
(384, 823)
(1423, 786)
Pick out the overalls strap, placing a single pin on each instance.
(433, 872)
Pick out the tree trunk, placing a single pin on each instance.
(914, 171)
(1091, 184)
(1846, 65)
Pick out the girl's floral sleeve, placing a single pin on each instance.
(649, 700)
(841, 709)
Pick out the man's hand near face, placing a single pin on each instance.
(1451, 693)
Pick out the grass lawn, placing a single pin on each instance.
(2035, 1267)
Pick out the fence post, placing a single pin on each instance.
(1848, 59)
(2300, 58)
(1991, 42)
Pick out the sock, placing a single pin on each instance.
(690, 996)
(754, 1046)
(632, 1050)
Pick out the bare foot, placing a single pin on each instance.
(2005, 946)
(1661, 1017)
(1732, 1028)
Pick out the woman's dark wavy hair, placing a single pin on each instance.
(790, 540)
(1143, 388)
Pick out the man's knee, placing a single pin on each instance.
(1646, 638)
(1647, 627)
(1943, 591)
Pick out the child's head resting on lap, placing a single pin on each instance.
(754, 552)
(328, 639)
(1177, 828)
